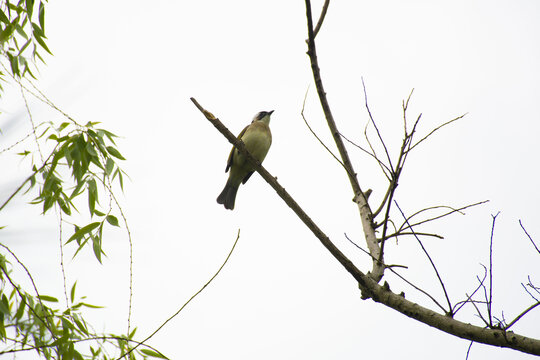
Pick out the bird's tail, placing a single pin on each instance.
(228, 195)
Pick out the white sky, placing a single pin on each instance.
(133, 66)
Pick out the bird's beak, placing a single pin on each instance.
(270, 112)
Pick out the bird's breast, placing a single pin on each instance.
(258, 139)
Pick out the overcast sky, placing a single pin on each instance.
(133, 65)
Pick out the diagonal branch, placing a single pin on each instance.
(187, 302)
(529, 236)
(437, 128)
(370, 288)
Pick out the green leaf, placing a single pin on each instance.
(92, 195)
(109, 135)
(41, 15)
(24, 47)
(3, 17)
(98, 213)
(6, 33)
(21, 32)
(109, 166)
(47, 298)
(38, 32)
(90, 149)
(14, 63)
(64, 205)
(111, 219)
(152, 353)
(40, 41)
(120, 178)
(62, 126)
(72, 293)
(81, 326)
(96, 246)
(91, 306)
(4, 306)
(20, 310)
(83, 231)
(115, 153)
(29, 7)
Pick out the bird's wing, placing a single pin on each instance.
(231, 155)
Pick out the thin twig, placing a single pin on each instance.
(396, 234)
(375, 125)
(407, 222)
(431, 261)
(45, 319)
(317, 137)
(31, 121)
(390, 267)
(529, 236)
(534, 287)
(405, 105)
(369, 153)
(187, 302)
(462, 303)
(468, 350)
(490, 300)
(437, 128)
(28, 179)
(521, 315)
(479, 312)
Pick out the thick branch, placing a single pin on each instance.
(363, 206)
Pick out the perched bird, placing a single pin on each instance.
(257, 138)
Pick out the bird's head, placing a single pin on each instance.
(263, 116)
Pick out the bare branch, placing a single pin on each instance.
(396, 234)
(321, 18)
(359, 197)
(432, 263)
(529, 236)
(528, 292)
(316, 137)
(390, 267)
(437, 128)
(521, 315)
(490, 300)
(370, 154)
(469, 297)
(370, 287)
(375, 126)
(405, 105)
(403, 227)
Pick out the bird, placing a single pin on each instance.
(257, 138)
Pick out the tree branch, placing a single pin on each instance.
(359, 197)
(370, 288)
